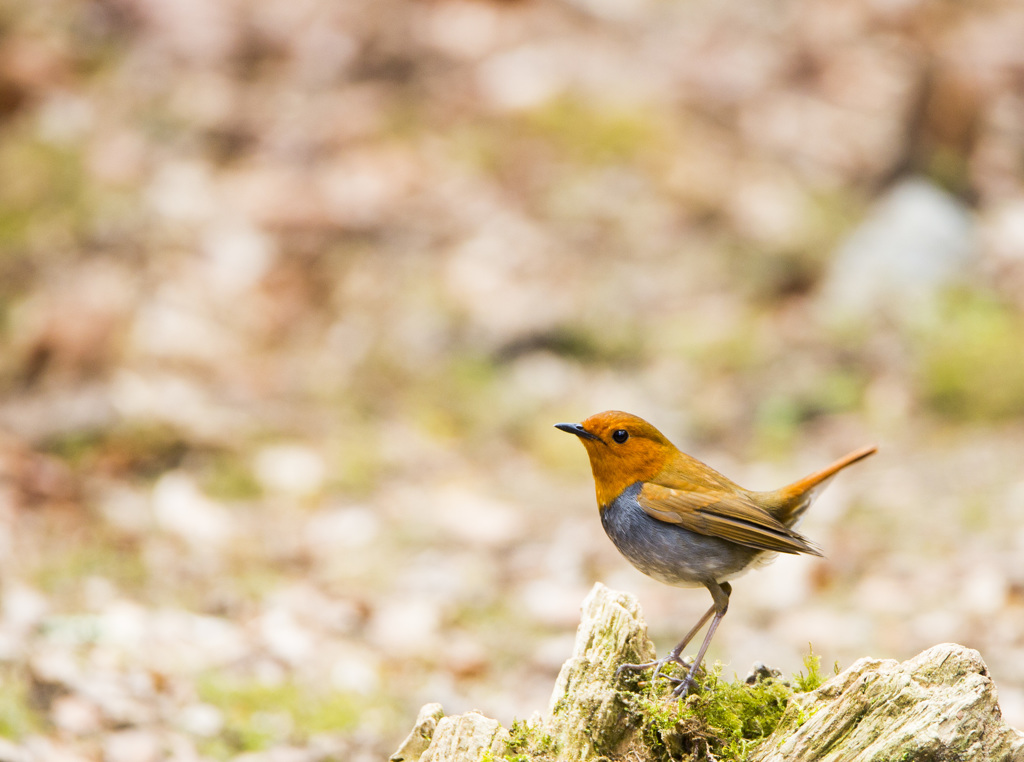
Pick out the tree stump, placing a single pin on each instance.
(940, 706)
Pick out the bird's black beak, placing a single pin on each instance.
(577, 429)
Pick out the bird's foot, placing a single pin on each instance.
(683, 685)
(659, 665)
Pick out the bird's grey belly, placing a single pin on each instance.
(671, 554)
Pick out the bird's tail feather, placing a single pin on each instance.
(789, 503)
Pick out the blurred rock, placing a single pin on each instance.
(360, 189)
(182, 191)
(917, 240)
(174, 399)
(238, 256)
(474, 517)
(23, 607)
(348, 527)
(42, 749)
(284, 636)
(180, 508)
(356, 672)
(1003, 230)
(405, 626)
(522, 78)
(132, 746)
(54, 669)
(175, 324)
(984, 590)
(278, 754)
(291, 469)
(76, 716)
(551, 653)
(10, 752)
(194, 30)
(201, 720)
(462, 29)
(551, 603)
(65, 118)
(170, 641)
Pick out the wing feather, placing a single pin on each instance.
(728, 515)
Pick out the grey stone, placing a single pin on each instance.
(917, 240)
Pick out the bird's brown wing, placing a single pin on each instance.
(722, 514)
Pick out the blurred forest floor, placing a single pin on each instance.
(293, 290)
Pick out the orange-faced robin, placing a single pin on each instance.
(683, 523)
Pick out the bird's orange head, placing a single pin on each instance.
(623, 450)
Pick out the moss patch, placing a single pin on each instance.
(89, 553)
(969, 366)
(527, 743)
(18, 717)
(258, 715)
(598, 135)
(722, 720)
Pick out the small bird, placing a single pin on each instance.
(683, 523)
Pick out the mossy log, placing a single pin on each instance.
(941, 705)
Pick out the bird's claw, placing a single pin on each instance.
(682, 684)
(622, 667)
(660, 664)
(683, 688)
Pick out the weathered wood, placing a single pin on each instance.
(468, 736)
(940, 706)
(419, 738)
(586, 715)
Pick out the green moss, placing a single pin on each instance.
(592, 134)
(141, 450)
(17, 716)
(814, 677)
(720, 720)
(723, 721)
(527, 743)
(259, 714)
(969, 366)
(777, 422)
(227, 477)
(147, 450)
(780, 417)
(44, 192)
(94, 554)
(458, 401)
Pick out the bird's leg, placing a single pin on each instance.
(720, 593)
(674, 655)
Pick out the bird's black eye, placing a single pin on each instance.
(620, 435)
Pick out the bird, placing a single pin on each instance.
(683, 523)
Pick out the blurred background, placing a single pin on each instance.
(292, 292)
